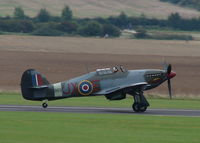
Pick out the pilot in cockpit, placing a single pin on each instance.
(115, 69)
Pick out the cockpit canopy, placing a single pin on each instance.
(107, 71)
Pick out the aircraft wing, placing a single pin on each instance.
(110, 90)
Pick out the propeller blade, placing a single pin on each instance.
(169, 88)
(169, 69)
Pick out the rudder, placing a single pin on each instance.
(31, 80)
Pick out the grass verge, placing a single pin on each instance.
(101, 101)
(23, 127)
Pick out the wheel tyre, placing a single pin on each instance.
(44, 105)
(136, 107)
(143, 109)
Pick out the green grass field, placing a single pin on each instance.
(194, 34)
(30, 127)
(101, 101)
(95, 8)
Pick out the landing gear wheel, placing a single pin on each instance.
(136, 107)
(44, 105)
(139, 108)
(143, 109)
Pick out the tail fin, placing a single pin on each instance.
(31, 79)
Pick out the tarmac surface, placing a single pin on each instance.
(158, 112)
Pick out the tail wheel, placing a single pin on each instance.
(44, 105)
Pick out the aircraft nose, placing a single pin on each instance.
(171, 75)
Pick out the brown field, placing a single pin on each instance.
(61, 58)
(93, 8)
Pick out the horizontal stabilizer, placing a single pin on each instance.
(39, 87)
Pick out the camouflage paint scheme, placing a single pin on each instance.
(114, 83)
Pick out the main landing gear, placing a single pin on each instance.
(139, 108)
(140, 103)
(45, 105)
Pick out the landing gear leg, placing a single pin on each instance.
(45, 105)
(140, 103)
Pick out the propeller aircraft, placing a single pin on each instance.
(113, 83)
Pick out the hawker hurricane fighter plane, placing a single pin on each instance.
(113, 83)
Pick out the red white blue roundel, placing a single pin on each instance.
(85, 87)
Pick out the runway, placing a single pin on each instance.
(158, 112)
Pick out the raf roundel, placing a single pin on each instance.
(85, 87)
